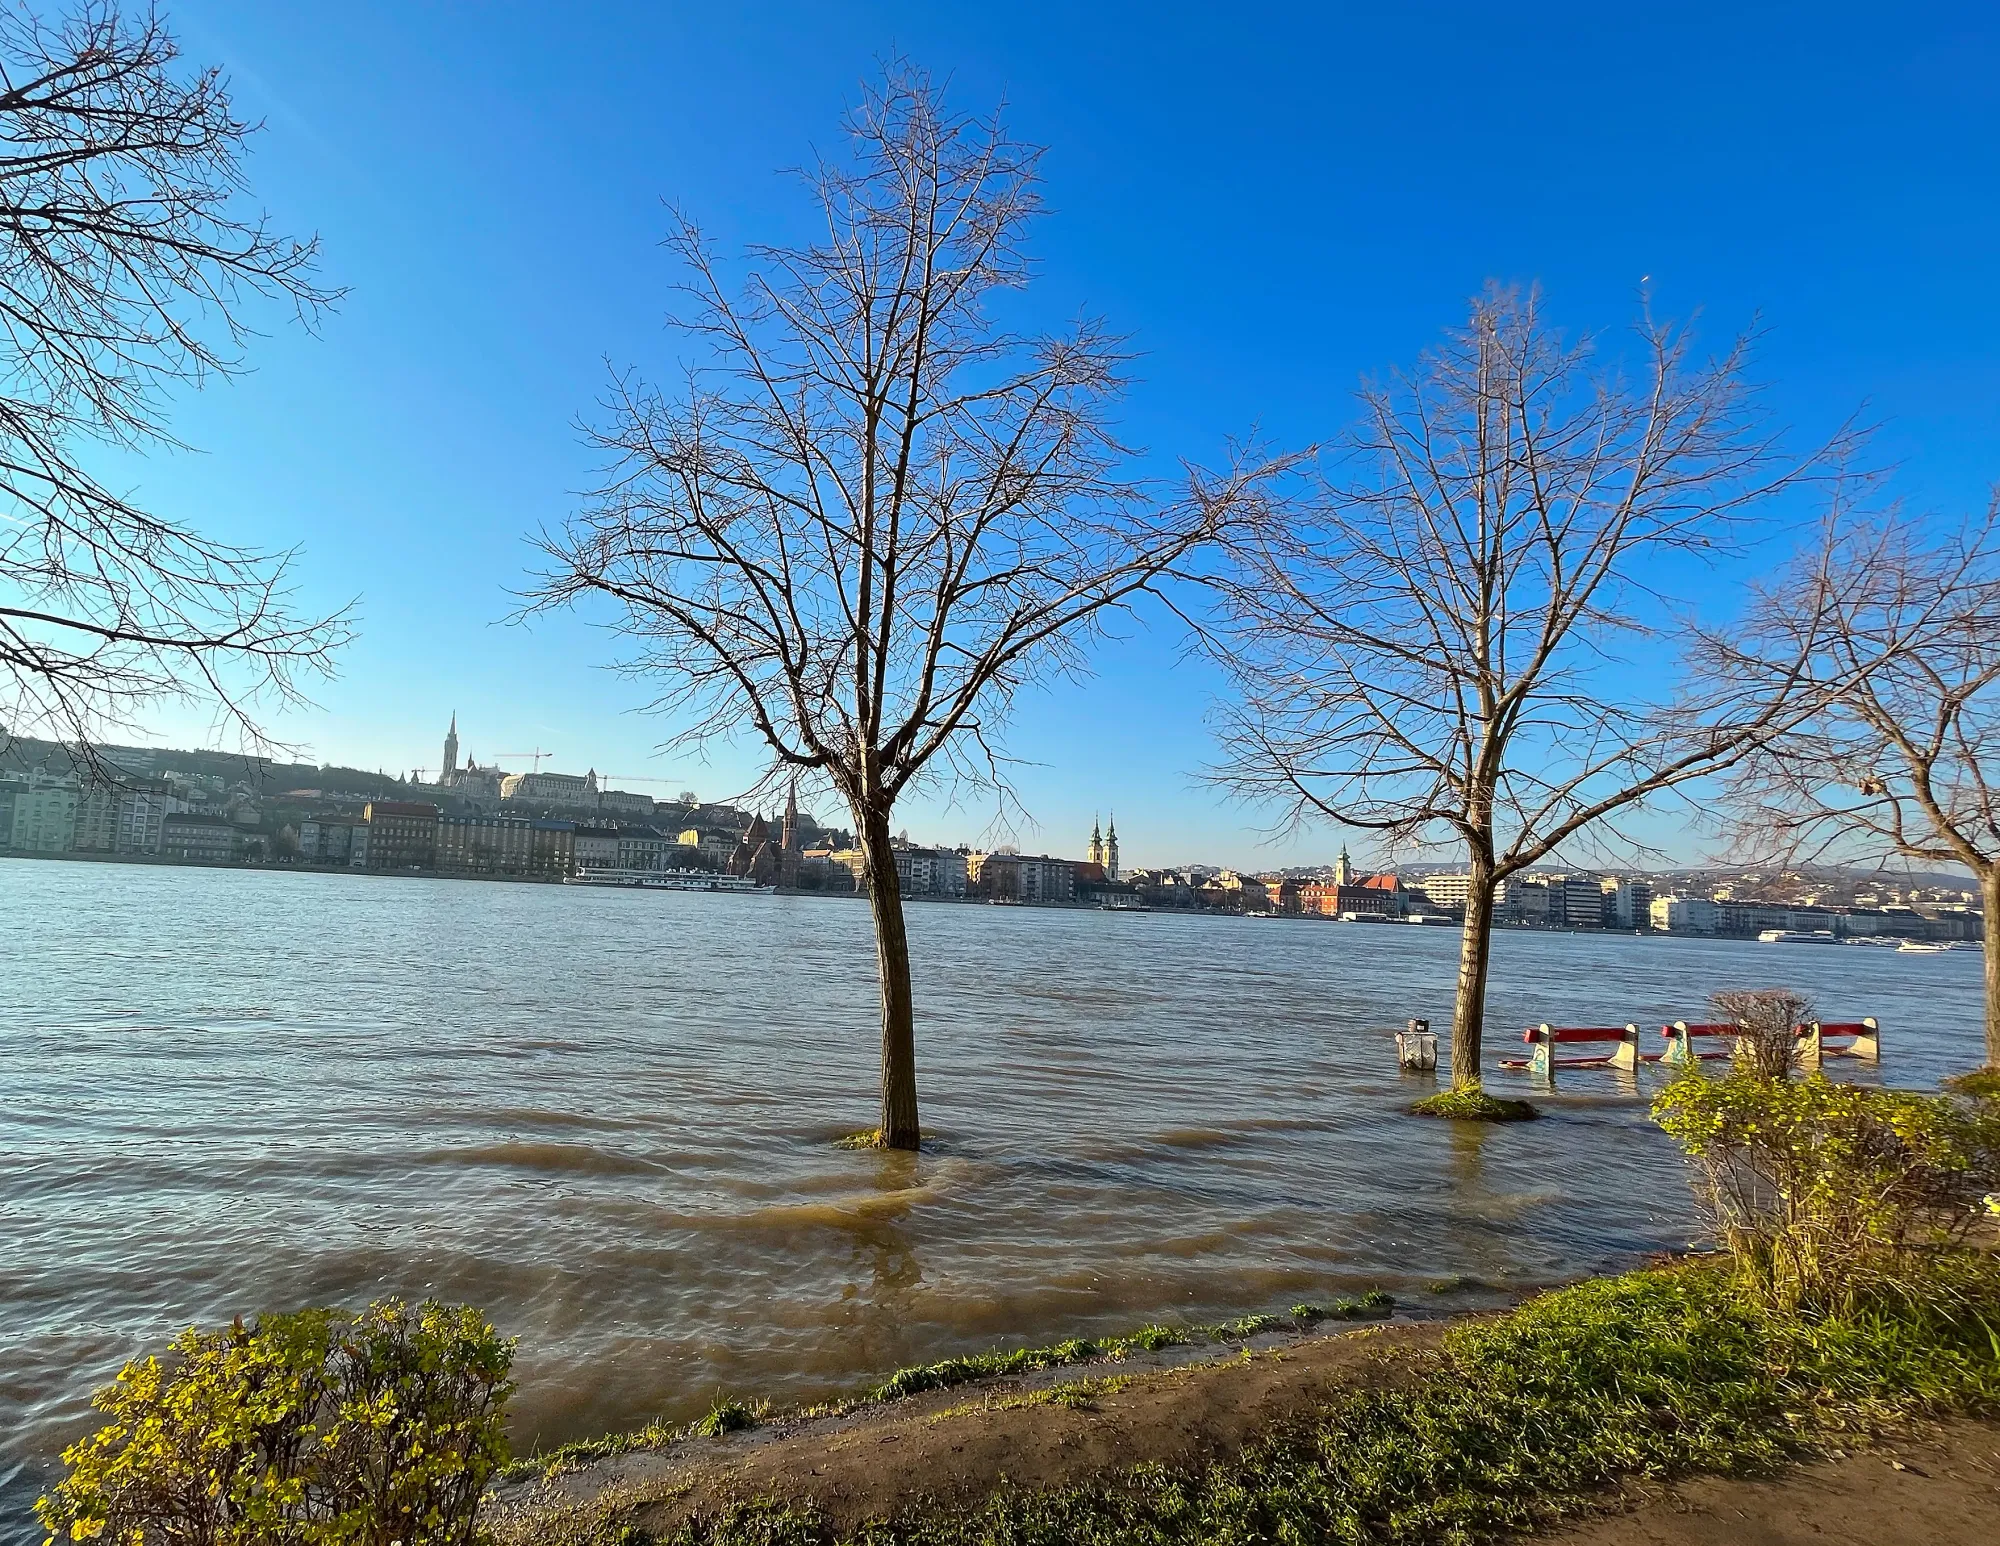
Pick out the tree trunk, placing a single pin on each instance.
(892, 955)
(1990, 888)
(1468, 1020)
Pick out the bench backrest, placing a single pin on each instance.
(1546, 1033)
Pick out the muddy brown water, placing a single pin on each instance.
(608, 1119)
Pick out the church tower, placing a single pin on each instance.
(1111, 849)
(788, 840)
(1343, 872)
(1096, 853)
(450, 768)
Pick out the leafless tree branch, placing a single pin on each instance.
(126, 266)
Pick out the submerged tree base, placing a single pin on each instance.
(871, 1138)
(1472, 1104)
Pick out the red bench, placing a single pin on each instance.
(1857, 1039)
(1682, 1035)
(1543, 1060)
(1820, 1040)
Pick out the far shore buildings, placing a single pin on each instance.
(1350, 894)
(763, 862)
(198, 808)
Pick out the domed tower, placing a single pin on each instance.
(1096, 854)
(1111, 849)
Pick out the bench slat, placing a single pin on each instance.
(1576, 1033)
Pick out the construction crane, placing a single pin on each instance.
(537, 754)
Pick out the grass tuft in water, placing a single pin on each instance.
(1372, 1305)
(725, 1417)
(1473, 1104)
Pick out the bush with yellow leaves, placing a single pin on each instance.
(318, 1428)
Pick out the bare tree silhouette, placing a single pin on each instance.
(1897, 623)
(872, 512)
(126, 266)
(1425, 638)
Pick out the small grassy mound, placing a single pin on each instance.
(1473, 1104)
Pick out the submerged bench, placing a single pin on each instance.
(1821, 1040)
(1682, 1035)
(1542, 1060)
(1855, 1039)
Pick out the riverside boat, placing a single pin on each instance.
(665, 880)
(1798, 937)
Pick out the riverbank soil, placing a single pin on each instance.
(953, 1447)
(1938, 1485)
(1938, 1488)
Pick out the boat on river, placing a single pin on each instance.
(665, 880)
(1798, 937)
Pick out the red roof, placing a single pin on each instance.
(1381, 882)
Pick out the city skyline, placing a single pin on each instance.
(472, 325)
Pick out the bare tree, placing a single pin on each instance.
(125, 267)
(872, 513)
(1428, 639)
(1903, 618)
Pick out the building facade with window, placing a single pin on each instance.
(197, 839)
(402, 835)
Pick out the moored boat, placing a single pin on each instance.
(665, 880)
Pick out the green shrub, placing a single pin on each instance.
(1980, 1084)
(1826, 1194)
(308, 1429)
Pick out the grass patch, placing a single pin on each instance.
(1473, 1104)
(1147, 1339)
(1519, 1422)
(1371, 1306)
(1077, 1395)
(725, 1417)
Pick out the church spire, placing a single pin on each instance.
(1111, 849)
(789, 841)
(450, 751)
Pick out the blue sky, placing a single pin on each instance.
(1272, 200)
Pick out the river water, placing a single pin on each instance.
(608, 1118)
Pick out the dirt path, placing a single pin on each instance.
(1939, 1489)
